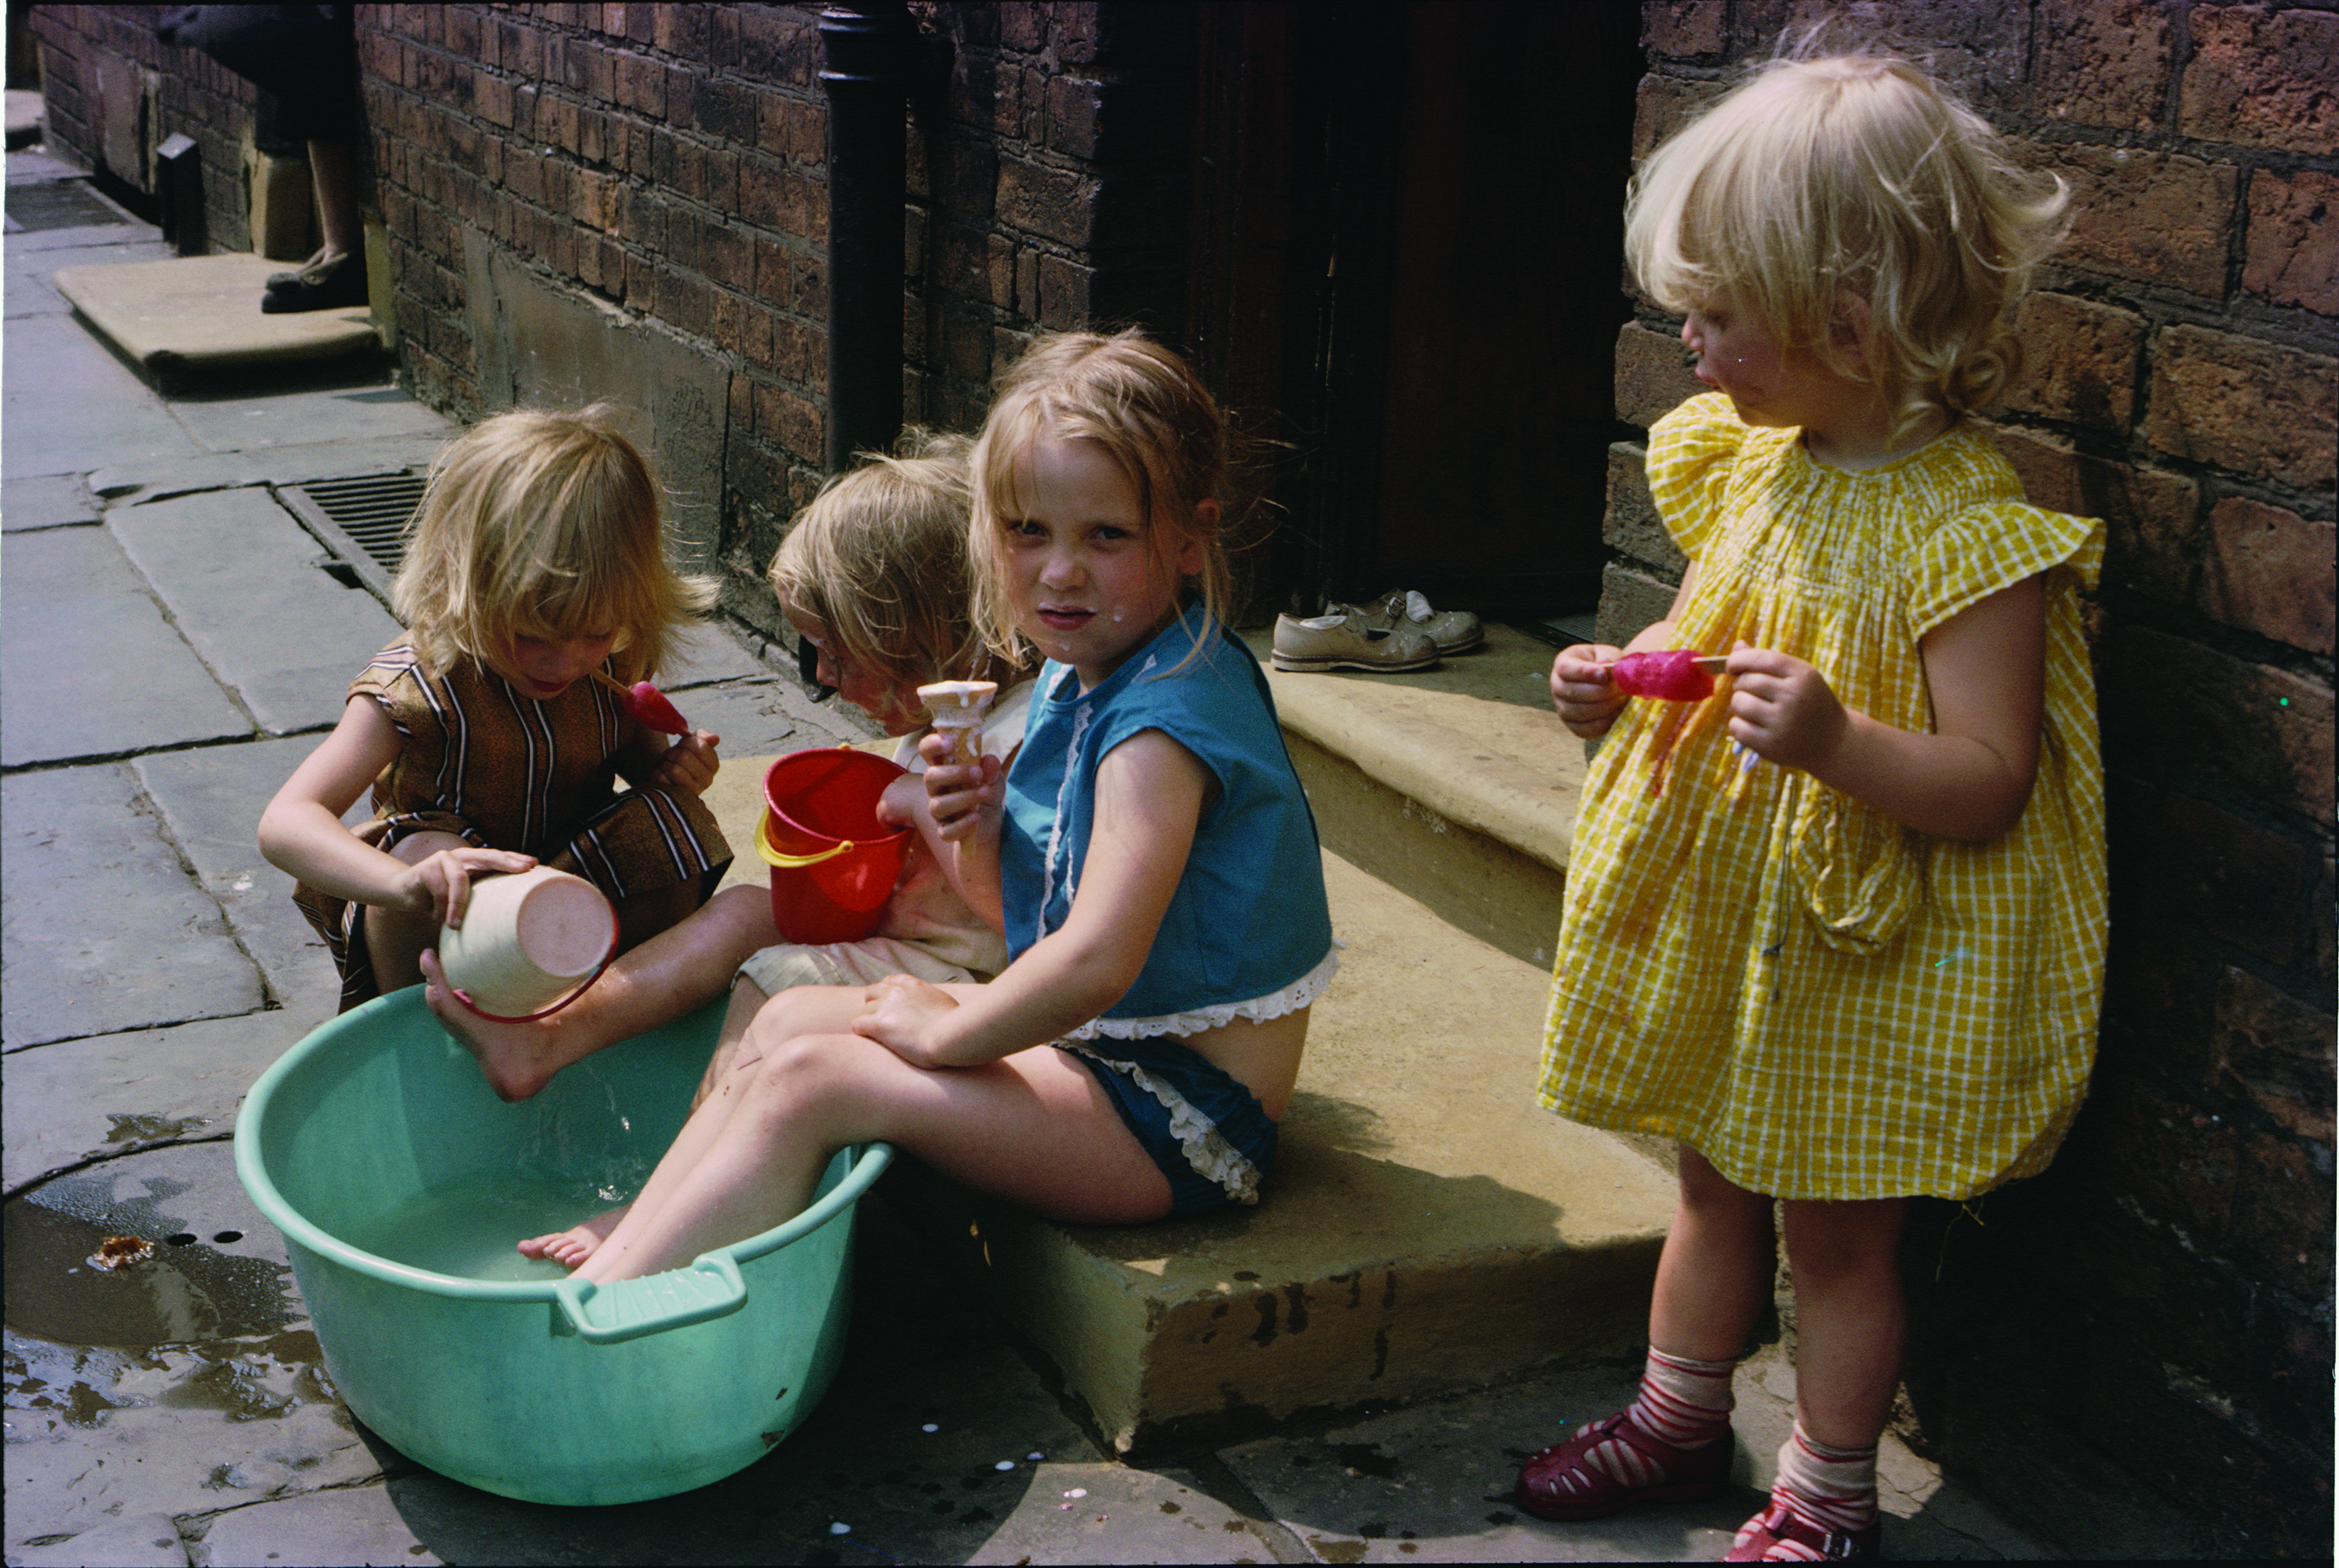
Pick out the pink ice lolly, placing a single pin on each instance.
(647, 705)
(1672, 676)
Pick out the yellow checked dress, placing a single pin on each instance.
(1824, 1003)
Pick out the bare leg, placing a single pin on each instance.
(1034, 1129)
(807, 1009)
(1715, 1271)
(1851, 1318)
(395, 938)
(654, 983)
(332, 170)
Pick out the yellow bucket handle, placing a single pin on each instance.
(785, 862)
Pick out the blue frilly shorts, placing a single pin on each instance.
(1208, 1133)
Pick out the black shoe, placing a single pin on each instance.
(340, 283)
(307, 272)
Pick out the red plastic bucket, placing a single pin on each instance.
(833, 863)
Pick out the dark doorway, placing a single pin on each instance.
(1409, 244)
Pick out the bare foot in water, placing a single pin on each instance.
(573, 1245)
(516, 1058)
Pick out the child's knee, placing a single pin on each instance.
(416, 848)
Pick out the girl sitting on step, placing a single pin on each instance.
(1148, 856)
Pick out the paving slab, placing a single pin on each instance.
(201, 313)
(98, 675)
(53, 500)
(247, 586)
(289, 465)
(68, 405)
(1104, 1513)
(358, 1525)
(711, 652)
(140, 1541)
(31, 291)
(195, 1384)
(242, 423)
(762, 718)
(65, 563)
(104, 930)
(78, 1102)
(211, 800)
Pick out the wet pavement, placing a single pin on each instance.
(172, 644)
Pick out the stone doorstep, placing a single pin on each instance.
(201, 313)
(1456, 785)
(1427, 1230)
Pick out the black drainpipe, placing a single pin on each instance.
(871, 55)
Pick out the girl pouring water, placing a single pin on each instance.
(538, 559)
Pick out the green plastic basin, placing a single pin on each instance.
(399, 1182)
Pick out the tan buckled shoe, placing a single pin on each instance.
(1346, 642)
(1452, 631)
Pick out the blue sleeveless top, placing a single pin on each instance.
(1248, 932)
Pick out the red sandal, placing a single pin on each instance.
(1562, 1483)
(1796, 1540)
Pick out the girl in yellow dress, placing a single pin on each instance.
(1838, 927)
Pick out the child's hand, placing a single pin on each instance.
(1587, 699)
(903, 1011)
(961, 796)
(690, 764)
(1783, 710)
(442, 884)
(898, 807)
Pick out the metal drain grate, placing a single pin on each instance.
(361, 520)
(58, 205)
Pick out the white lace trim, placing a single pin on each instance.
(1299, 993)
(1207, 1149)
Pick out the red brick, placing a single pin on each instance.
(728, 258)
(491, 98)
(2104, 63)
(2275, 1051)
(1652, 374)
(2283, 1215)
(2156, 217)
(2253, 406)
(2262, 78)
(1021, 27)
(2078, 362)
(640, 83)
(1065, 294)
(2264, 731)
(2225, 877)
(1662, 105)
(2269, 571)
(779, 45)
(794, 128)
(1055, 203)
(2172, 1158)
(681, 29)
(2293, 255)
(1682, 28)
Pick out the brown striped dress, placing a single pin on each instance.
(506, 771)
(1823, 1002)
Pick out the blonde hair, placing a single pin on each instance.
(879, 558)
(1852, 173)
(1144, 407)
(543, 525)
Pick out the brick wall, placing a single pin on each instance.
(114, 93)
(2165, 1292)
(668, 161)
